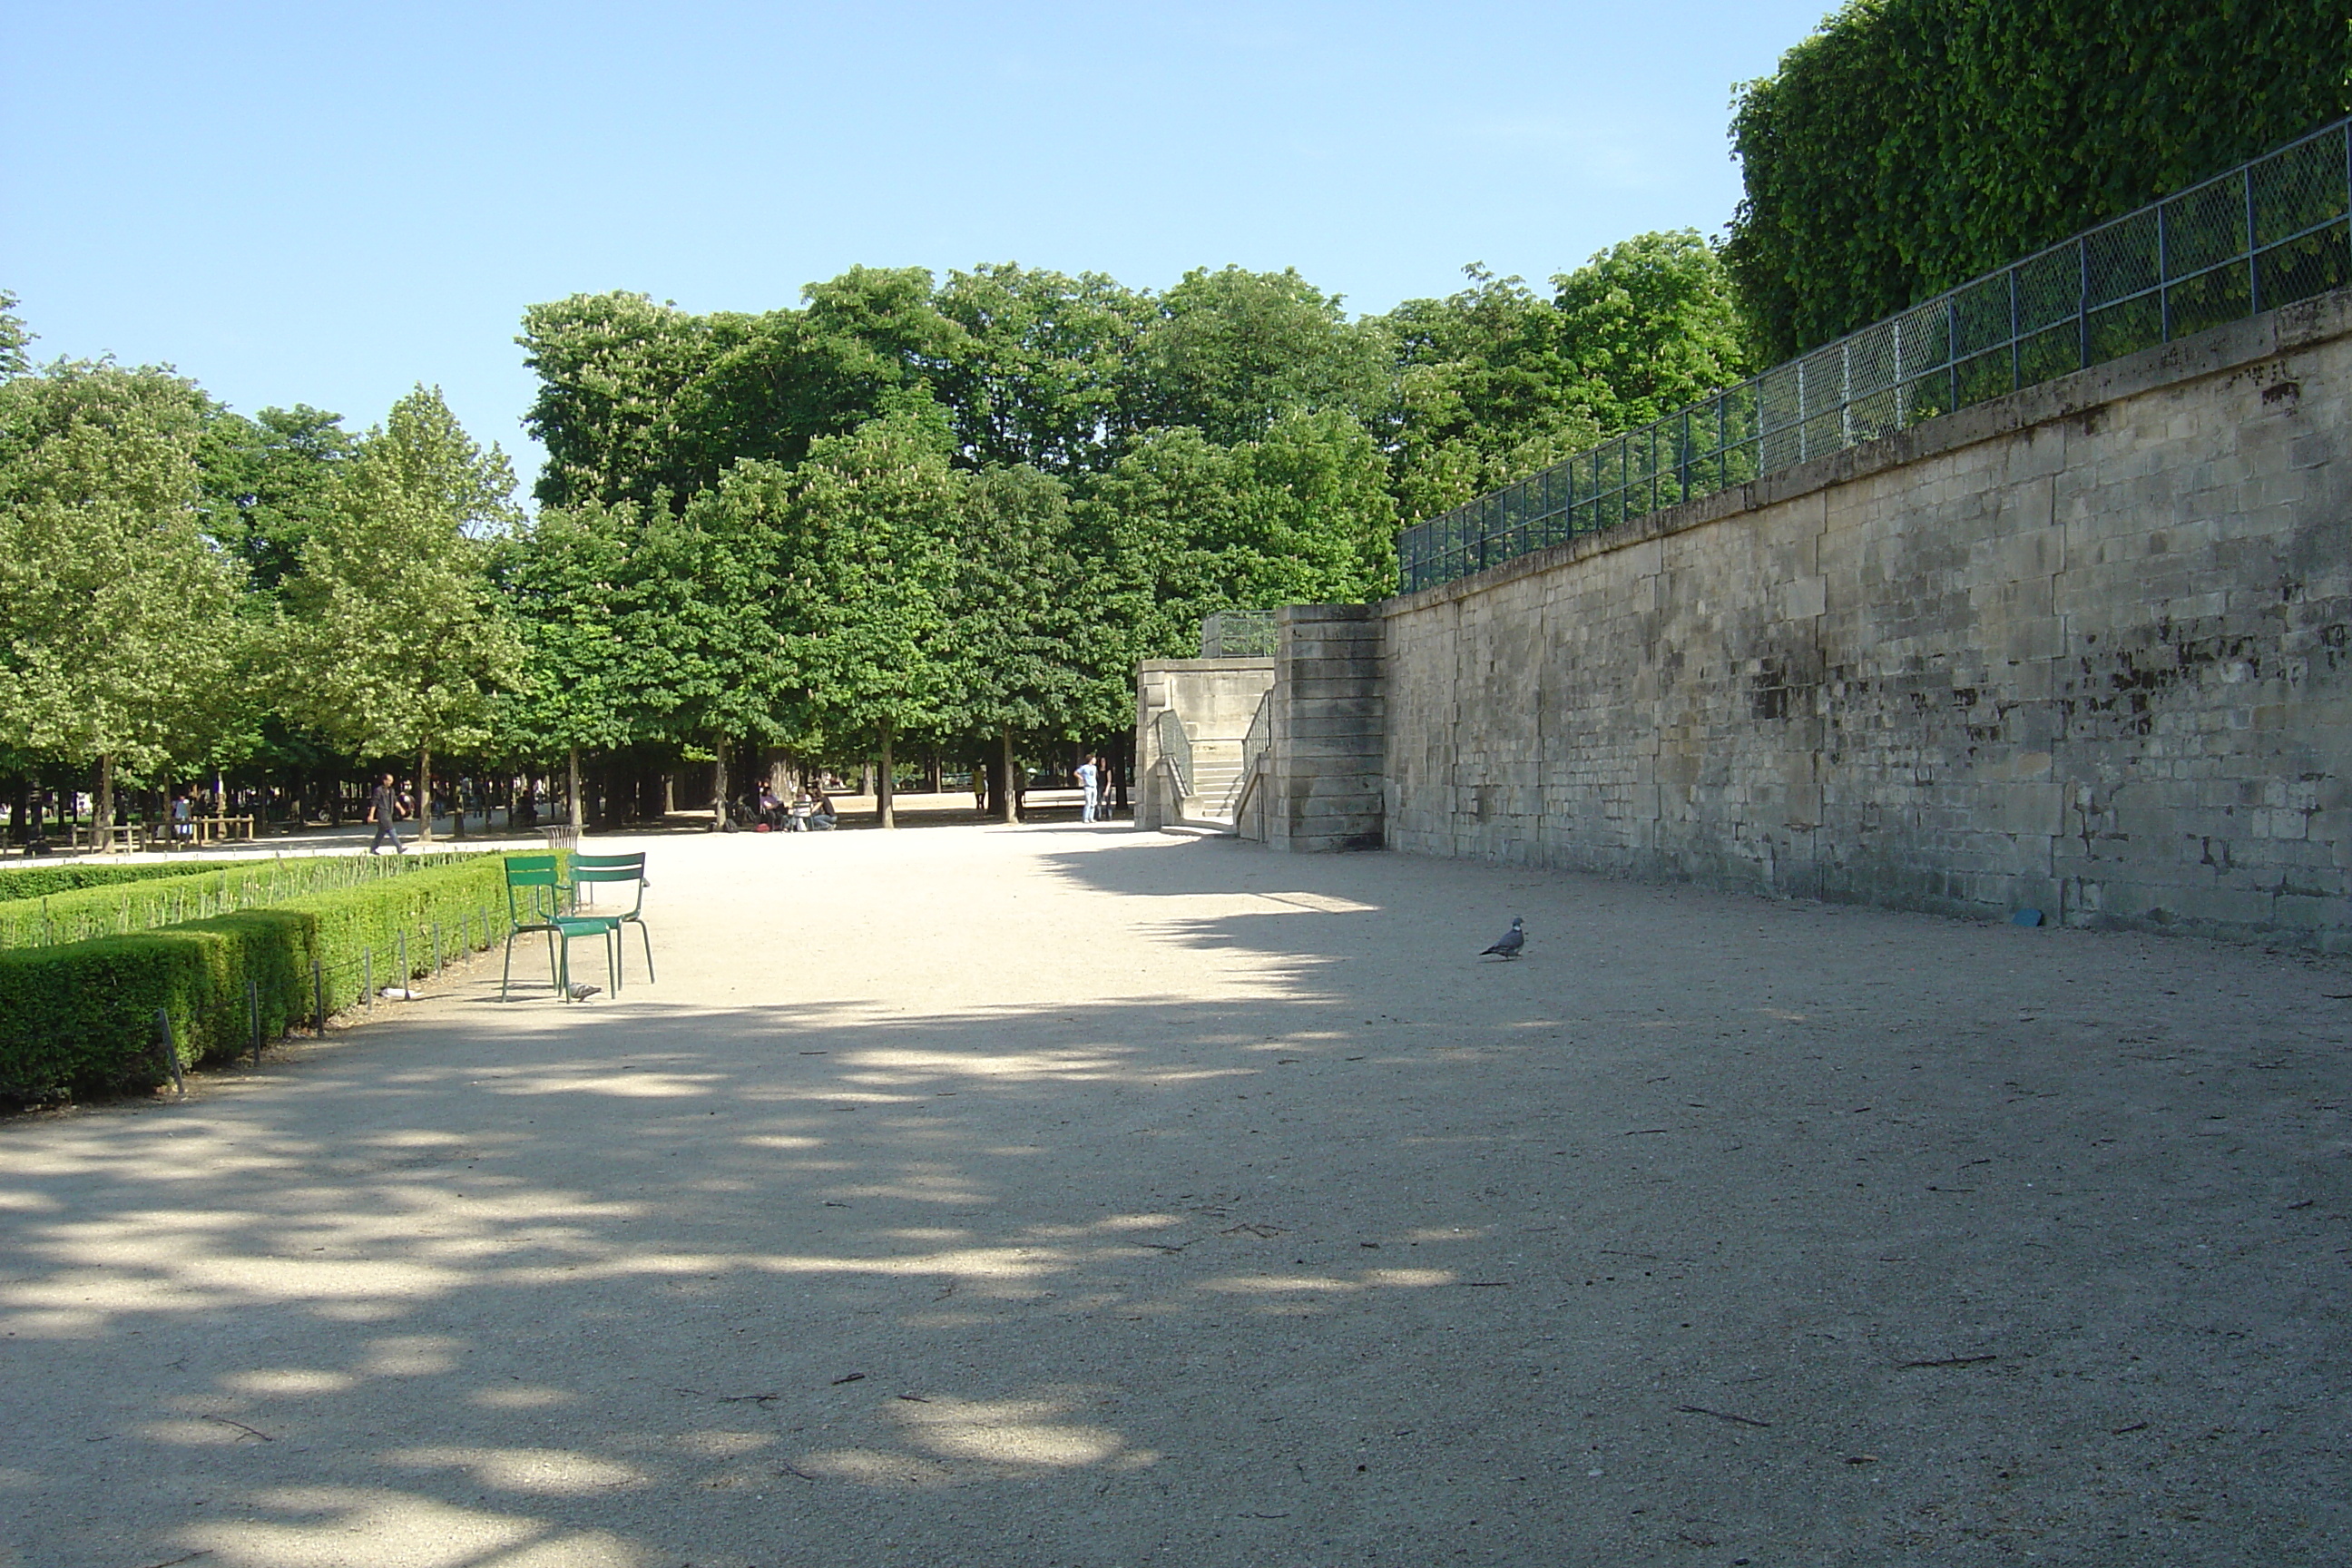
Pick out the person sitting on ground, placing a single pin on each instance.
(822, 815)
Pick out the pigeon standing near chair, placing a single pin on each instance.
(1511, 941)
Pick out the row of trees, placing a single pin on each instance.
(954, 514)
(904, 514)
(184, 589)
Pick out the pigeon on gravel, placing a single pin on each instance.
(581, 993)
(1511, 942)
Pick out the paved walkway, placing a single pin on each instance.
(1066, 1196)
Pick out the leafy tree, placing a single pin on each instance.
(863, 343)
(1187, 528)
(566, 579)
(866, 549)
(1036, 379)
(705, 666)
(14, 337)
(398, 642)
(1030, 652)
(612, 369)
(1227, 352)
(1485, 384)
(120, 627)
(265, 481)
(1649, 325)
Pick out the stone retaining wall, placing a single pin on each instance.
(2083, 649)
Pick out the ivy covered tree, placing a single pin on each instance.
(1909, 145)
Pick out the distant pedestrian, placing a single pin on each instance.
(385, 811)
(1089, 780)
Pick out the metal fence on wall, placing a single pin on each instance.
(1238, 634)
(2263, 235)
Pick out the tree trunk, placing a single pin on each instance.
(572, 788)
(103, 828)
(719, 786)
(425, 792)
(1011, 805)
(886, 780)
(932, 774)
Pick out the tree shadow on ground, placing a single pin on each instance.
(1660, 1241)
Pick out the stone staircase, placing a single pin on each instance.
(1216, 780)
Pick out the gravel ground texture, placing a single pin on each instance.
(1055, 1196)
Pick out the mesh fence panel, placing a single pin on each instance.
(2272, 232)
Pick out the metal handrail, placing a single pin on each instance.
(1256, 742)
(2265, 234)
(1176, 751)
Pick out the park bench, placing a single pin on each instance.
(131, 836)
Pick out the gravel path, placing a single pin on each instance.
(1053, 1195)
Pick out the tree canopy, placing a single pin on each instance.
(1909, 145)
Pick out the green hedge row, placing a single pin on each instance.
(79, 1018)
(40, 881)
(192, 893)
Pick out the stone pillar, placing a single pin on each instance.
(1331, 730)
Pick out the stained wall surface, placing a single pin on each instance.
(2082, 651)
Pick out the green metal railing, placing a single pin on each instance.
(2265, 234)
(1238, 634)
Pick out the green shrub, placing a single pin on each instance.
(79, 1018)
(41, 881)
(191, 893)
(358, 930)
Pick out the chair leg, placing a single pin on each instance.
(649, 950)
(507, 973)
(613, 956)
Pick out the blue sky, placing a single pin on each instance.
(328, 204)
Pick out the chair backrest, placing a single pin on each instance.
(587, 869)
(534, 888)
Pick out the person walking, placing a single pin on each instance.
(385, 811)
(1089, 780)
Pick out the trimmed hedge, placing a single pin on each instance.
(79, 1018)
(192, 893)
(41, 881)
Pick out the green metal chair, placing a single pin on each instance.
(535, 895)
(588, 871)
